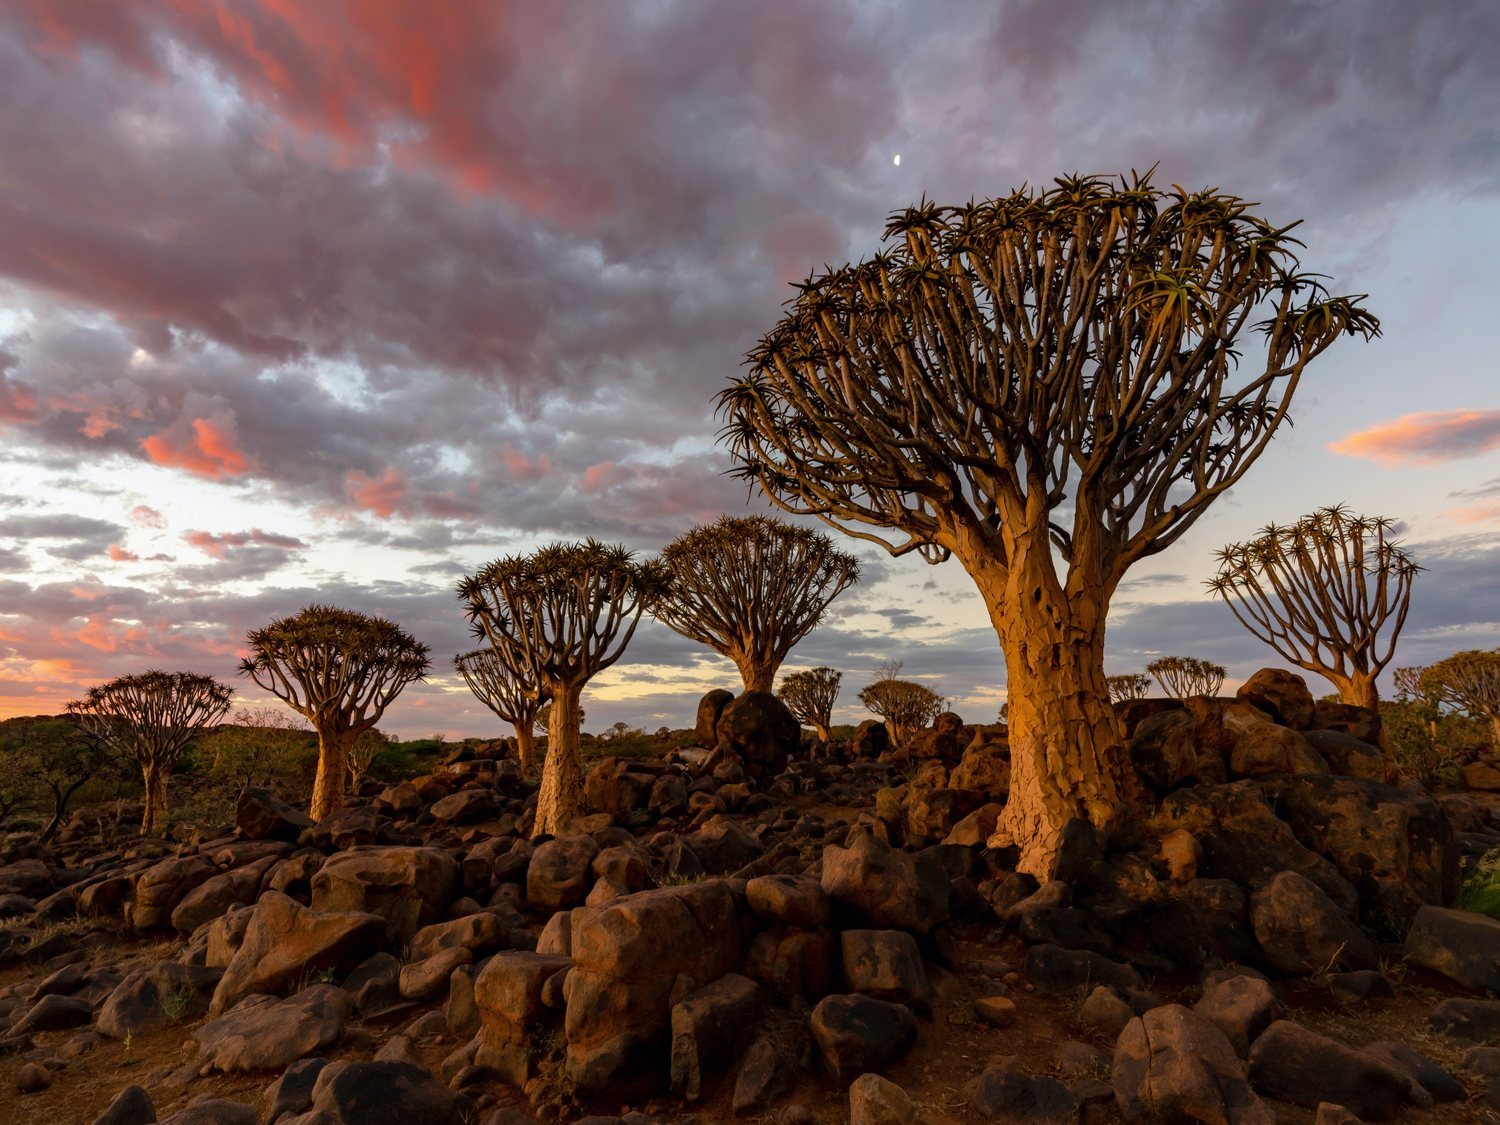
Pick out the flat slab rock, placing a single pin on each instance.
(263, 1033)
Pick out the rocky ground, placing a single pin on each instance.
(747, 928)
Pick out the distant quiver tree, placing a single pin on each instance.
(905, 705)
(809, 695)
(559, 617)
(1470, 681)
(750, 588)
(1329, 593)
(1183, 677)
(340, 670)
(1130, 685)
(149, 718)
(1051, 387)
(514, 699)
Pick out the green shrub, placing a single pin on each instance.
(1481, 890)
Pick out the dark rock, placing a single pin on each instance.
(758, 727)
(131, 1106)
(710, 1029)
(1165, 751)
(425, 980)
(467, 806)
(885, 888)
(293, 1091)
(722, 846)
(1302, 932)
(33, 1078)
(161, 887)
(1460, 944)
(387, 1093)
(260, 816)
(1350, 757)
(155, 998)
(887, 965)
(856, 1033)
(1292, 1064)
(263, 1033)
(874, 1100)
(1005, 1092)
(795, 900)
(1281, 694)
(1172, 1064)
(561, 872)
(1241, 1007)
(1067, 927)
(1439, 1084)
(54, 1013)
(871, 739)
(1359, 986)
(213, 897)
(1053, 969)
(769, 1069)
(1473, 1021)
(513, 1014)
(410, 887)
(710, 707)
(1360, 722)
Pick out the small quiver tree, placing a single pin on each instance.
(1469, 681)
(810, 695)
(1329, 593)
(1130, 685)
(1183, 677)
(1050, 387)
(559, 617)
(750, 588)
(339, 670)
(906, 706)
(513, 698)
(149, 719)
(362, 754)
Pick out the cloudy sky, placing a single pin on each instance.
(337, 300)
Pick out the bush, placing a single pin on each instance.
(1481, 890)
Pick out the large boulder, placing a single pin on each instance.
(261, 816)
(1281, 694)
(514, 1018)
(710, 707)
(883, 888)
(611, 786)
(855, 1034)
(722, 846)
(1302, 932)
(1165, 750)
(1172, 1064)
(561, 872)
(162, 886)
(263, 1033)
(1460, 944)
(155, 998)
(630, 957)
(214, 897)
(710, 1029)
(410, 887)
(386, 1093)
(1262, 749)
(284, 942)
(1292, 1064)
(887, 965)
(1395, 846)
(758, 727)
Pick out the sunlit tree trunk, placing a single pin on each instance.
(333, 770)
(1358, 689)
(526, 747)
(822, 731)
(155, 814)
(1067, 760)
(757, 673)
(561, 796)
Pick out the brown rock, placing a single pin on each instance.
(1173, 1065)
(408, 887)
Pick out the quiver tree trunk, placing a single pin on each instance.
(154, 815)
(1067, 759)
(561, 795)
(333, 770)
(526, 747)
(758, 673)
(1357, 688)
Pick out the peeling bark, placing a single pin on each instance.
(561, 796)
(328, 786)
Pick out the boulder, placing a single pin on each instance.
(722, 846)
(1241, 1006)
(611, 786)
(131, 1106)
(1281, 694)
(854, 1034)
(791, 961)
(874, 1100)
(710, 707)
(293, 1091)
(410, 887)
(794, 900)
(1292, 1064)
(984, 769)
(871, 739)
(1360, 722)
(285, 943)
(161, 887)
(213, 897)
(1172, 1064)
(155, 998)
(883, 888)
(261, 816)
(467, 806)
(206, 1109)
(1006, 1092)
(771, 1064)
(628, 957)
(561, 872)
(887, 965)
(386, 1093)
(263, 1033)
(1302, 932)
(425, 980)
(710, 1029)
(758, 727)
(1165, 751)
(1348, 756)
(513, 1016)
(1053, 969)
(1439, 1085)
(480, 933)
(1267, 749)
(1460, 944)
(53, 1012)
(1481, 776)
(1473, 1021)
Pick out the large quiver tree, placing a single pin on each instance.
(559, 617)
(339, 670)
(1329, 593)
(515, 699)
(750, 588)
(149, 719)
(1050, 387)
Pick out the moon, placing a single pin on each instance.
(897, 161)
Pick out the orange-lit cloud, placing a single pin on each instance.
(1475, 513)
(118, 553)
(382, 495)
(143, 516)
(211, 452)
(1422, 439)
(220, 545)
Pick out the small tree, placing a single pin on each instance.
(1050, 387)
(17, 780)
(558, 618)
(256, 748)
(906, 706)
(1468, 680)
(750, 588)
(340, 670)
(362, 753)
(1183, 677)
(512, 698)
(810, 695)
(1426, 738)
(1320, 593)
(149, 719)
(1131, 685)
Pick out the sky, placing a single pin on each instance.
(337, 300)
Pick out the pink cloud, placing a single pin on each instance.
(143, 516)
(382, 495)
(596, 477)
(1422, 439)
(118, 553)
(211, 452)
(1475, 513)
(220, 545)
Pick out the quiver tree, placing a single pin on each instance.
(1130, 685)
(1183, 677)
(1470, 681)
(149, 719)
(750, 588)
(339, 670)
(48, 758)
(558, 618)
(1321, 593)
(514, 699)
(810, 696)
(1050, 387)
(906, 706)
